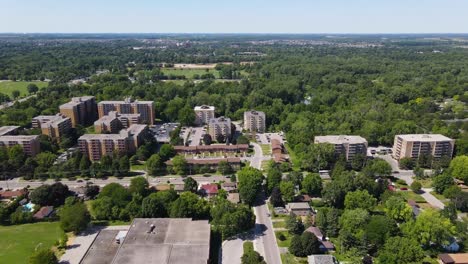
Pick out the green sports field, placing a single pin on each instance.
(19, 241)
(189, 73)
(7, 87)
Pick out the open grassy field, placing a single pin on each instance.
(189, 73)
(7, 87)
(18, 242)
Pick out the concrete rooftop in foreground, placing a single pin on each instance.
(174, 241)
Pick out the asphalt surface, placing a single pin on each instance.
(10, 104)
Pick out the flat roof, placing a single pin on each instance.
(173, 241)
(340, 139)
(424, 137)
(204, 107)
(255, 113)
(103, 249)
(18, 138)
(126, 102)
(7, 129)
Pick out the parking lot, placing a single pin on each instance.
(163, 132)
(373, 151)
(265, 138)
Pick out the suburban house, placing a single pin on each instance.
(452, 245)
(322, 259)
(44, 212)
(229, 186)
(179, 188)
(460, 258)
(299, 209)
(302, 198)
(325, 245)
(209, 190)
(12, 194)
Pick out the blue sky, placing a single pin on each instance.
(234, 16)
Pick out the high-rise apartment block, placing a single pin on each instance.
(254, 121)
(8, 130)
(129, 106)
(349, 146)
(126, 142)
(203, 114)
(114, 122)
(414, 145)
(219, 126)
(30, 144)
(53, 126)
(81, 110)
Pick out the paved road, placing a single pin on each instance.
(19, 184)
(265, 240)
(431, 199)
(407, 176)
(9, 104)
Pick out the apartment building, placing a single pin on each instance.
(30, 144)
(254, 121)
(129, 106)
(203, 114)
(414, 145)
(53, 126)
(81, 110)
(126, 141)
(349, 146)
(219, 126)
(113, 122)
(8, 130)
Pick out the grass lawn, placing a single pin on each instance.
(410, 195)
(292, 156)
(7, 87)
(283, 243)
(137, 167)
(266, 148)
(426, 183)
(279, 224)
(19, 241)
(189, 73)
(288, 258)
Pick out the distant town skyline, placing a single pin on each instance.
(242, 16)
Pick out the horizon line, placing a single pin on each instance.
(249, 33)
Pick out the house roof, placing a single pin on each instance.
(460, 258)
(316, 231)
(162, 187)
(302, 198)
(321, 259)
(233, 198)
(179, 187)
(12, 194)
(298, 206)
(44, 212)
(211, 188)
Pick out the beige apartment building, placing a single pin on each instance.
(30, 144)
(203, 114)
(254, 121)
(414, 145)
(81, 110)
(113, 122)
(129, 106)
(53, 126)
(349, 146)
(97, 145)
(219, 126)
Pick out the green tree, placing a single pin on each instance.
(189, 205)
(230, 219)
(250, 256)
(430, 227)
(378, 230)
(250, 184)
(276, 199)
(406, 163)
(186, 116)
(45, 159)
(43, 256)
(15, 93)
(400, 250)
(459, 168)
(416, 186)
(310, 244)
(119, 195)
(180, 165)
(360, 199)
(158, 204)
(74, 218)
(155, 165)
(139, 185)
(124, 164)
(358, 162)
(397, 209)
(312, 184)
(190, 185)
(16, 156)
(224, 167)
(442, 182)
(378, 168)
(32, 88)
(84, 165)
(273, 178)
(287, 191)
(166, 152)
